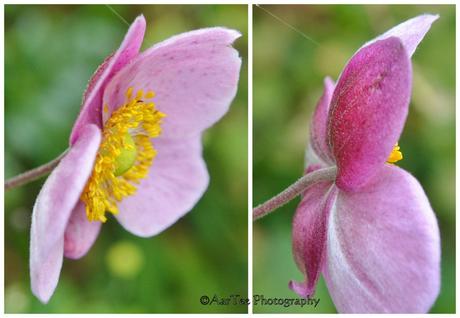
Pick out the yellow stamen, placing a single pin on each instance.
(395, 155)
(150, 94)
(124, 156)
(129, 93)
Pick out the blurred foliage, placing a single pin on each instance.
(288, 80)
(50, 54)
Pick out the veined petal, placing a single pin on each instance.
(318, 131)
(410, 32)
(53, 208)
(194, 76)
(309, 235)
(368, 111)
(384, 247)
(91, 110)
(80, 233)
(177, 180)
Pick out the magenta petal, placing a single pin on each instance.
(80, 233)
(410, 32)
(384, 247)
(194, 76)
(91, 110)
(318, 131)
(177, 180)
(53, 208)
(309, 235)
(368, 111)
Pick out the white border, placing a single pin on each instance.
(250, 202)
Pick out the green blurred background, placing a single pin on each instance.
(50, 54)
(288, 79)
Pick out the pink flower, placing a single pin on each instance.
(135, 149)
(372, 231)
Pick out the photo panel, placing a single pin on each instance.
(146, 211)
(359, 102)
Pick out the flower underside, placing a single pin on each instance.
(124, 156)
(395, 154)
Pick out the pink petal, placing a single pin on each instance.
(52, 210)
(91, 109)
(194, 76)
(309, 235)
(177, 180)
(318, 131)
(44, 272)
(80, 233)
(410, 32)
(384, 247)
(313, 161)
(368, 111)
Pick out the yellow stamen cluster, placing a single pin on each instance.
(130, 126)
(395, 154)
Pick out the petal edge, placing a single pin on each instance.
(384, 247)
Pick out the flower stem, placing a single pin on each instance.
(33, 174)
(326, 174)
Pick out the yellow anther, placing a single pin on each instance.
(150, 94)
(124, 156)
(106, 108)
(395, 154)
(139, 94)
(129, 93)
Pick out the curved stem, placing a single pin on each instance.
(33, 174)
(326, 174)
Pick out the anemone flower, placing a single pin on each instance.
(364, 223)
(135, 149)
(371, 230)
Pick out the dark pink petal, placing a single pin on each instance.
(410, 32)
(384, 247)
(91, 110)
(53, 208)
(194, 76)
(80, 233)
(177, 180)
(368, 111)
(318, 131)
(309, 235)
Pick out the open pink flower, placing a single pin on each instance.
(372, 231)
(135, 149)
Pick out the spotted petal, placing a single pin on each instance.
(194, 76)
(368, 111)
(176, 181)
(91, 110)
(53, 208)
(383, 247)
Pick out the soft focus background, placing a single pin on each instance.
(50, 54)
(288, 80)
